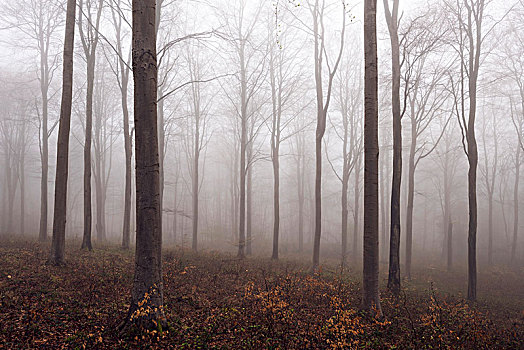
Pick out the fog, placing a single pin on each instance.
(200, 71)
(254, 133)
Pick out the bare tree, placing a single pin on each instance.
(39, 20)
(284, 81)
(121, 71)
(349, 100)
(489, 171)
(89, 38)
(146, 309)
(394, 241)
(62, 159)
(370, 297)
(197, 131)
(317, 11)
(469, 16)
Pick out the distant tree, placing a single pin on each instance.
(489, 170)
(317, 10)
(89, 37)
(38, 20)
(62, 159)
(349, 100)
(466, 23)
(121, 72)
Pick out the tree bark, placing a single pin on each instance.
(394, 252)
(62, 162)
(146, 309)
(371, 298)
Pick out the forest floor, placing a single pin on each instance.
(216, 301)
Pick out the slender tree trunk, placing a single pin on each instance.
(356, 213)
(146, 309)
(371, 298)
(126, 226)
(22, 179)
(394, 252)
(249, 204)
(42, 235)
(195, 185)
(411, 197)
(276, 203)
(515, 206)
(62, 162)
(86, 241)
(344, 200)
(450, 245)
(300, 188)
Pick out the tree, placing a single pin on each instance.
(317, 11)
(349, 100)
(394, 241)
(62, 158)
(146, 309)
(122, 74)
(469, 15)
(197, 133)
(251, 74)
(284, 81)
(489, 172)
(89, 38)
(425, 98)
(371, 298)
(39, 20)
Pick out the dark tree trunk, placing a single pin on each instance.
(146, 309)
(62, 162)
(371, 298)
(394, 251)
(126, 229)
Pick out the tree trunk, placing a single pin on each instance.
(450, 245)
(515, 206)
(249, 204)
(146, 309)
(356, 213)
(370, 298)
(62, 162)
(42, 235)
(86, 241)
(411, 197)
(394, 252)
(126, 234)
(300, 188)
(196, 180)
(276, 203)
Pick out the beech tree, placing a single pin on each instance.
(394, 241)
(89, 37)
(317, 10)
(121, 71)
(370, 297)
(39, 20)
(146, 309)
(468, 17)
(62, 158)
